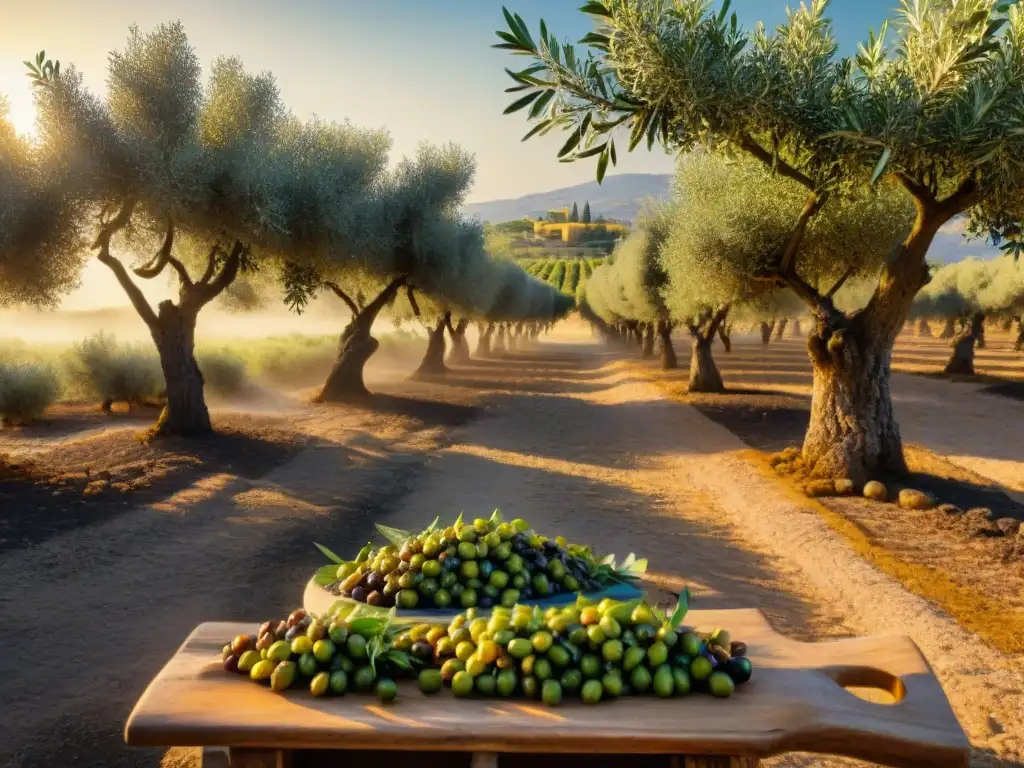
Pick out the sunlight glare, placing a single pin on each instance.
(21, 107)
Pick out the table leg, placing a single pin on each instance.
(260, 758)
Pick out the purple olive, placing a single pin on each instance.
(359, 594)
(231, 663)
(374, 581)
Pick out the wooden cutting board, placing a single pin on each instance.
(795, 702)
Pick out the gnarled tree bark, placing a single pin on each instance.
(961, 362)
(668, 352)
(704, 374)
(948, 329)
(432, 364)
(780, 327)
(923, 328)
(356, 346)
(725, 335)
(483, 341)
(766, 331)
(460, 347)
(647, 349)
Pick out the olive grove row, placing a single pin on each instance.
(839, 169)
(226, 191)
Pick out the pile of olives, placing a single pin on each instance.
(328, 658)
(480, 564)
(589, 650)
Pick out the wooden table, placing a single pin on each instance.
(795, 702)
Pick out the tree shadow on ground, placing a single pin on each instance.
(97, 479)
(540, 384)
(1011, 389)
(429, 412)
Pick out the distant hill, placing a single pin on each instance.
(618, 197)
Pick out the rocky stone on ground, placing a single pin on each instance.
(1008, 526)
(977, 523)
(844, 486)
(875, 491)
(817, 488)
(949, 509)
(911, 498)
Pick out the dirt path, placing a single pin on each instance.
(567, 437)
(92, 614)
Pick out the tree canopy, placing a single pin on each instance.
(41, 249)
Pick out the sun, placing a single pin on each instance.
(21, 110)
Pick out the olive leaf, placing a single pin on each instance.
(327, 574)
(395, 536)
(681, 608)
(458, 520)
(328, 554)
(496, 517)
(432, 526)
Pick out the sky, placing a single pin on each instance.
(424, 69)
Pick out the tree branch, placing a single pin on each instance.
(448, 323)
(107, 230)
(343, 296)
(839, 283)
(966, 195)
(156, 265)
(919, 191)
(208, 289)
(412, 302)
(748, 144)
(813, 203)
(211, 265)
(183, 275)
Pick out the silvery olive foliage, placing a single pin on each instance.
(937, 107)
(628, 287)
(960, 289)
(221, 175)
(416, 234)
(41, 248)
(734, 215)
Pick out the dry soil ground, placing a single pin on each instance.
(567, 435)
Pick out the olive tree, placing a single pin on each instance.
(731, 215)
(407, 229)
(938, 114)
(41, 248)
(629, 287)
(1004, 295)
(212, 180)
(953, 294)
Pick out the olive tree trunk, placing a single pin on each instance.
(433, 359)
(483, 341)
(797, 330)
(704, 375)
(923, 328)
(948, 329)
(766, 331)
(647, 349)
(460, 347)
(780, 327)
(961, 361)
(499, 340)
(174, 334)
(668, 352)
(725, 335)
(1018, 345)
(511, 339)
(355, 347)
(853, 431)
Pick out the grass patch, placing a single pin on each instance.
(974, 610)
